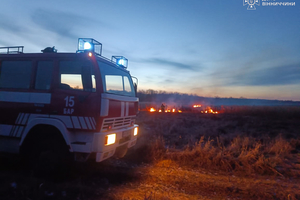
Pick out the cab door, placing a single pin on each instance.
(74, 100)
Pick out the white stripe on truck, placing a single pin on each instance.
(25, 97)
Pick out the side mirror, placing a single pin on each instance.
(135, 83)
(135, 88)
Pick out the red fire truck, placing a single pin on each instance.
(78, 103)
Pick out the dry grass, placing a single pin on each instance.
(245, 140)
(166, 180)
(243, 155)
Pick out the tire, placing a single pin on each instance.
(53, 160)
(46, 153)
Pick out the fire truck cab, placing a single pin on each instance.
(80, 102)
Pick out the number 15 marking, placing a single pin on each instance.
(69, 101)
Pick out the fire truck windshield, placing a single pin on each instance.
(116, 81)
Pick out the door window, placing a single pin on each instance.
(77, 75)
(44, 75)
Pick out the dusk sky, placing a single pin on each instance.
(208, 47)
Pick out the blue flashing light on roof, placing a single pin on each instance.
(89, 45)
(120, 61)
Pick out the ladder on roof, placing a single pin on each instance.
(11, 50)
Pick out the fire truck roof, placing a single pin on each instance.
(86, 47)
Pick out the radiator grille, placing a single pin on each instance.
(117, 123)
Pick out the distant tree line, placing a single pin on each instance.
(159, 96)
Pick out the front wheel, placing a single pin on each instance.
(45, 152)
(53, 159)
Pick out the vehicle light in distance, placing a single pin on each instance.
(110, 139)
(135, 132)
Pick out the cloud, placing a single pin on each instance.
(62, 23)
(11, 28)
(280, 75)
(172, 64)
(9, 25)
(169, 81)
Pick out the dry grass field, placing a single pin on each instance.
(260, 140)
(241, 153)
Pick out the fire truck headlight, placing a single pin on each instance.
(110, 139)
(87, 46)
(135, 132)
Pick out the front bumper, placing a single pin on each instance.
(125, 139)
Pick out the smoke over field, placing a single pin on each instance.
(180, 99)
